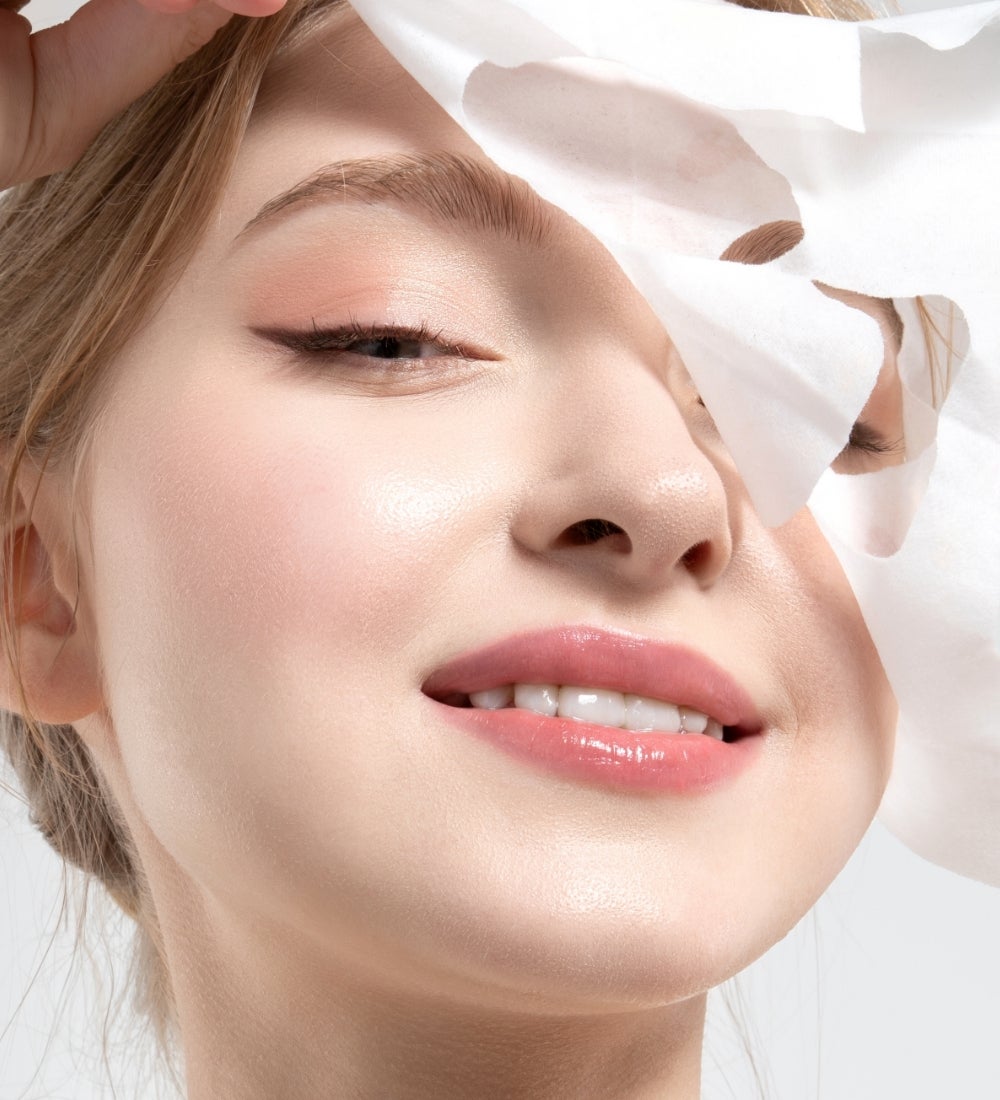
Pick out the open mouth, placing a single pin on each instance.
(615, 710)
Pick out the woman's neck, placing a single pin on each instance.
(262, 1017)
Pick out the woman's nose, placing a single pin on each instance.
(619, 485)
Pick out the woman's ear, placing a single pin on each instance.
(59, 663)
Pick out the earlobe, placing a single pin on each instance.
(58, 663)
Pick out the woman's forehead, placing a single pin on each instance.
(344, 39)
(338, 102)
(340, 67)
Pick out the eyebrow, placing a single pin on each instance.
(449, 187)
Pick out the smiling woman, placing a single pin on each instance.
(390, 630)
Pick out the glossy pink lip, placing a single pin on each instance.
(591, 657)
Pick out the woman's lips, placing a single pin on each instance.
(592, 657)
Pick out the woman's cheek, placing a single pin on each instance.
(845, 708)
(248, 553)
(283, 514)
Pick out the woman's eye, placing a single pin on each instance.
(868, 449)
(379, 342)
(395, 347)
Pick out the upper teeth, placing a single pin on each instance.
(605, 708)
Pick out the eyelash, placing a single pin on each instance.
(330, 341)
(868, 440)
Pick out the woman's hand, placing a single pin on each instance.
(60, 86)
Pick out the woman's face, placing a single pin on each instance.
(286, 544)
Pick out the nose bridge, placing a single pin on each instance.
(620, 479)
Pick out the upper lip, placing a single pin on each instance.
(587, 656)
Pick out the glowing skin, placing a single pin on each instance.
(358, 899)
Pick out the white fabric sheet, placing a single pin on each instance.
(669, 128)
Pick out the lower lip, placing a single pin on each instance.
(681, 763)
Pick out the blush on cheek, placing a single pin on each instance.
(250, 566)
(265, 522)
(301, 539)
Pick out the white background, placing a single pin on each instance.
(889, 989)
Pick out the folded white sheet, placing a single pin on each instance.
(671, 127)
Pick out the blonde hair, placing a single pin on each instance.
(88, 254)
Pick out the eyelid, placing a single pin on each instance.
(334, 338)
(868, 449)
(866, 438)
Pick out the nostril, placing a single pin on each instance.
(590, 530)
(697, 557)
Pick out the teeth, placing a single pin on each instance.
(600, 706)
(606, 708)
(715, 730)
(651, 714)
(493, 698)
(693, 721)
(541, 698)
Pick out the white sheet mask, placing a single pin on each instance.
(671, 127)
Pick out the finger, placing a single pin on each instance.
(237, 7)
(16, 93)
(251, 7)
(90, 68)
(171, 7)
